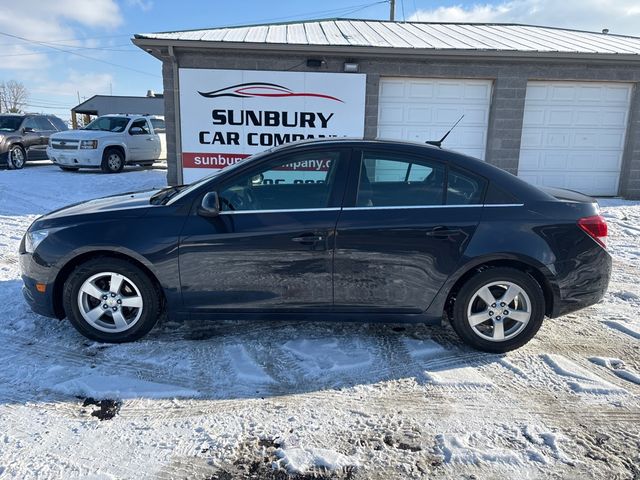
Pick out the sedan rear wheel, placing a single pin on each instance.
(111, 300)
(499, 309)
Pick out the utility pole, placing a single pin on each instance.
(392, 10)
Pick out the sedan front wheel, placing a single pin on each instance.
(111, 300)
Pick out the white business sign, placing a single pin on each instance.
(227, 115)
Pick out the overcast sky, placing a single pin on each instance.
(64, 48)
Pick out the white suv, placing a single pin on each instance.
(110, 142)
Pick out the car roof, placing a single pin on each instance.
(145, 115)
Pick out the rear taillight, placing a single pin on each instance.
(596, 228)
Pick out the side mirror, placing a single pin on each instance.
(28, 130)
(136, 131)
(210, 206)
(258, 179)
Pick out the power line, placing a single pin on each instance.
(339, 11)
(78, 54)
(44, 52)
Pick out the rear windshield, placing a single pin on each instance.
(109, 124)
(9, 123)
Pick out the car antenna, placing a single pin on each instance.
(438, 143)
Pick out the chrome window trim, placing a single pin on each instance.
(400, 207)
(284, 210)
(413, 207)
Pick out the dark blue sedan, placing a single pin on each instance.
(333, 229)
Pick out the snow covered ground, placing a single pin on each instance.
(255, 400)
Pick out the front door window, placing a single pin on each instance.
(296, 182)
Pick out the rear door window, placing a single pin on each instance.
(389, 180)
(158, 125)
(464, 188)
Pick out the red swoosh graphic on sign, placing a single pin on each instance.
(282, 93)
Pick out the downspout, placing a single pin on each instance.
(176, 106)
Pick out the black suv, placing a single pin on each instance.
(25, 137)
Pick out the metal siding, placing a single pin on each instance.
(333, 33)
(296, 34)
(277, 34)
(373, 37)
(352, 34)
(315, 34)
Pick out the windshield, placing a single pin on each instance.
(10, 123)
(179, 192)
(108, 124)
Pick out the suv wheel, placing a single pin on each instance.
(111, 300)
(112, 161)
(498, 310)
(16, 157)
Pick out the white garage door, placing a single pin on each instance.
(573, 135)
(423, 109)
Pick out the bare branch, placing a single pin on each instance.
(13, 96)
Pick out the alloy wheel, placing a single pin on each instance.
(499, 311)
(16, 157)
(110, 302)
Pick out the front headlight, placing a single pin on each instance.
(34, 238)
(89, 144)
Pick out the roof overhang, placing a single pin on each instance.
(155, 46)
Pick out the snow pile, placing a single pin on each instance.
(459, 449)
(579, 379)
(119, 387)
(246, 369)
(618, 367)
(318, 356)
(308, 459)
(458, 376)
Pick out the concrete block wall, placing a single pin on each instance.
(509, 77)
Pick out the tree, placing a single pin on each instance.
(13, 96)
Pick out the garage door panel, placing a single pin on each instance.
(421, 109)
(421, 90)
(572, 160)
(573, 135)
(391, 114)
(419, 115)
(618, 93)
(392, 89)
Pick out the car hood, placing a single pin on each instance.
(83, 134)
(133, 204)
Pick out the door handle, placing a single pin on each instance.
(308, 239)
(442, 231)
(150, 139)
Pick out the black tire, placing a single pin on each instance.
(151, 300)
(15, 153)
(478, 337)
(112, 161)
(69, 169)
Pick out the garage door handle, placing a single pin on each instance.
(308, 239)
